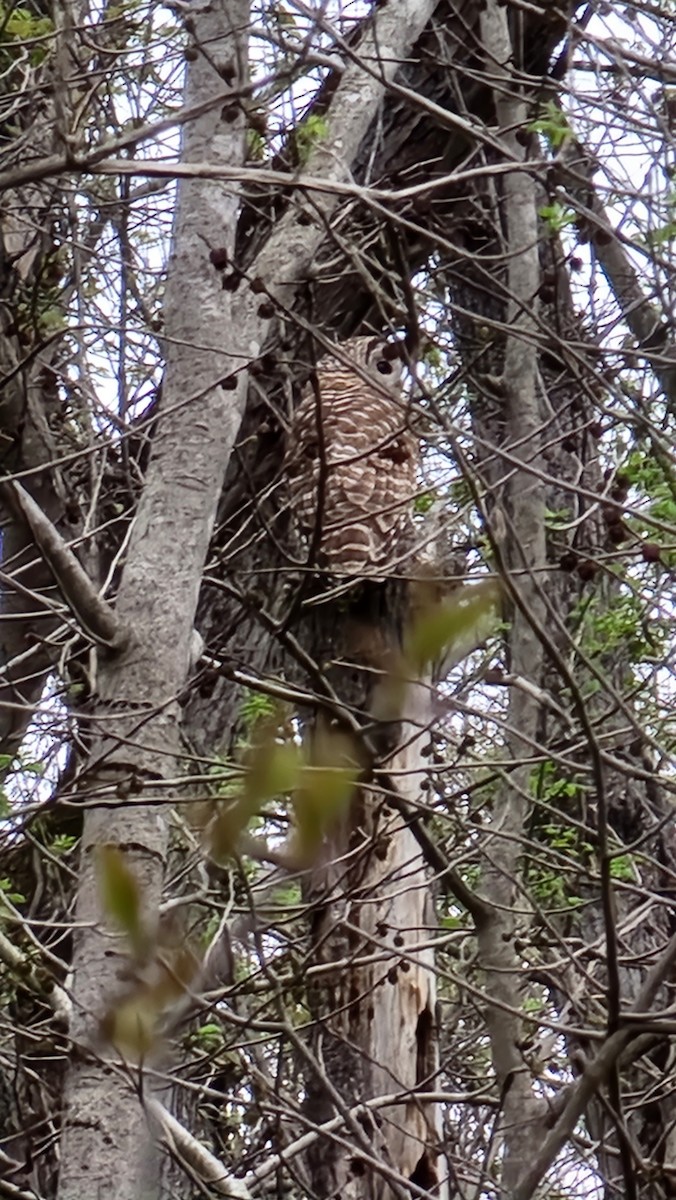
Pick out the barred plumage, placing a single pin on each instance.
(350, 447)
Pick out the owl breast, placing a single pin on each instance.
(351, 464)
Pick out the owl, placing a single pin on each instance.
(351, 462)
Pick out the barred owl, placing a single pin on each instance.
(350, 453)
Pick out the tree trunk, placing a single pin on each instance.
(106, 1143)
(373, 925)
(533, 459)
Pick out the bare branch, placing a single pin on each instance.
(95, 616)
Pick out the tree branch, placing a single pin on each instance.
(95, 615)
(595, 1074)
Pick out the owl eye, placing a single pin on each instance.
(383, 367)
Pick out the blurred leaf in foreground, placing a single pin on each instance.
(454, 625)
(120, 894)
(325, 788)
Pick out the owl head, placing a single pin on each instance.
(377, 357)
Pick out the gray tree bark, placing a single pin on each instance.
(106, 1145)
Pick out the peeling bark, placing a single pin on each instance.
(377, 1024)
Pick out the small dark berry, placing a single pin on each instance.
(568, 561)
(586, 569)
(266, 310)
(229, 383)
(219, 258)
(230, 113)
(651, 552)
(596, 429)
(190, 54)
(231, 282)
(257, 286)
(494, 675)
(422, 204)
(568, 444)
(617, 534)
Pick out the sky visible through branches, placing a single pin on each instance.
(535, 780)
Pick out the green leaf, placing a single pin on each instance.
(325, 788)
(557, 518)
(254, 706)
(552, 124)
(23, 26)
(556, 217)
(63, 843)
(7, 889)
(287, 895)
(271, 769)
(439, 626)
(622, 868)
(120, 894)
(208, 1036)
(451, 922)
(255, 145)
(423, 503)
(313, 129)
(131, 1026)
